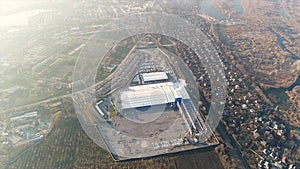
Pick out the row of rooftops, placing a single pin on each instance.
(26, 115)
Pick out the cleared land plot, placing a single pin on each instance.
(142, 125)
(143, 133)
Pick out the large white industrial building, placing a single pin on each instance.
(153, 94)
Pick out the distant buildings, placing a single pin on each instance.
(24, 116)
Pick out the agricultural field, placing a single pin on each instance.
(68, 146)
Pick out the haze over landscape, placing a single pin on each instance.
(79, 84)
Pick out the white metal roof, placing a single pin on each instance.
(147, 95)
(153, 76)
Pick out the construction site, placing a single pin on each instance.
(150, 110)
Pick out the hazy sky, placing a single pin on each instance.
(14, 12)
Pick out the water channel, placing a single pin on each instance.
(238, 7)
(283, 13)
(207, 7)
(280, 92)
(280, 41)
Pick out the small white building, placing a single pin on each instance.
(154, 76)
